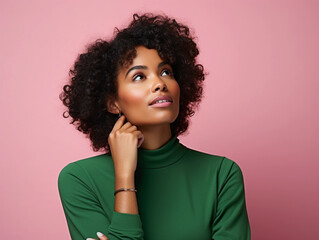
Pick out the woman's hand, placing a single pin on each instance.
(124, 140)
(100, 235)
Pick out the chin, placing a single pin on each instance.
(154, 121)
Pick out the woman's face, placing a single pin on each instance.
(140, 83)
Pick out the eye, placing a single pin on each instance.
(138, 77)
(167, 72)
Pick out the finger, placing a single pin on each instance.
(140, 138)
(90, 239)
(101, 236)
(139, 134)
(140, 141)
(131, 129)
(126, 126)
(119, 123)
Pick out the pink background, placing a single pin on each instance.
(260, 107)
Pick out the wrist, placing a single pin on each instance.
(124, 181)
(124, 175)
(124, 189)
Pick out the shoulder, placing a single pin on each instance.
(89, 163)
(203, 157)
(221, 165)
(87, 167)
(229, 169)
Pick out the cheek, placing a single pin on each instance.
(175, 90)
(133, 96)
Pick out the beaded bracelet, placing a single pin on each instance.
(125, 189)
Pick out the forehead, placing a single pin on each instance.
(146, 56)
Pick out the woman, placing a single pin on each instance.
(147, 185)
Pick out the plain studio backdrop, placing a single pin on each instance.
(260, 105)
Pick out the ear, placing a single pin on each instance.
(112, 106)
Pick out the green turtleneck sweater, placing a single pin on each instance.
(182, 194)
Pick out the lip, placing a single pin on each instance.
(163, 97)
(161, 105)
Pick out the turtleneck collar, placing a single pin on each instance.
(164, 156)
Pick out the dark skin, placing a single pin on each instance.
(138, 87)
(146, 126)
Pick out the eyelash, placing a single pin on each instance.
(139, 74)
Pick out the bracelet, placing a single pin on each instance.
(125, 189)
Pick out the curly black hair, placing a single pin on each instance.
(94, 74)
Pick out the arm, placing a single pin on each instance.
(125, 201)
(231, 219)
(84, 214)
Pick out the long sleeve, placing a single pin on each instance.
(84, 213)
(231, 221)
(182, 194)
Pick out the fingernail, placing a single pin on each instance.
(99, 234)
(90, 239)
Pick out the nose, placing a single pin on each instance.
(158, 84)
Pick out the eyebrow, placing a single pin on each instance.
(144, 67)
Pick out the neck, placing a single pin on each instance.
(168, 154)
(155, 136)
